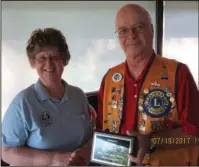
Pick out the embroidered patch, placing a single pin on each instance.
(109, 115)
(140, 108)
(155, 84)
(117, 77)
(142, 123)
(113, 97)
(114, 105)
(146, 91)
(155, 125)
(164, 77)
(113, 90)
(46, 118)
(156, 103)
(166, 89)
(118, 91)
(121, 100)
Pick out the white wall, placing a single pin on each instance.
(88, 28)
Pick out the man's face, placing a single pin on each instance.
(135, 32)
(49, 65)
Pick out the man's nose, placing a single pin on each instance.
(132, 34)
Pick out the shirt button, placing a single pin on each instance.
(135, 96)
(135, 85)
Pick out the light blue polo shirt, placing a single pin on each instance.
(36, 120)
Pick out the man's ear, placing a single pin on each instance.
(152, 29)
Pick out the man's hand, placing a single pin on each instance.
(81, 157)
(143, 147)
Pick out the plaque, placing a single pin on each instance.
(112, 149)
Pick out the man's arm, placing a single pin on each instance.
(188, 110)
(23, 156)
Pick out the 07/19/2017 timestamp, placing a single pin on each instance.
(176, 140)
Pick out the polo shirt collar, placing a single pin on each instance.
(144, 71)
(42, 94)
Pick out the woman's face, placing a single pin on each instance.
(49, 65)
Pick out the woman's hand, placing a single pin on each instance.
(81, 157)
(61, 159)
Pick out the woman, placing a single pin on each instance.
(50, 119)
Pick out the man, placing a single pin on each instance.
(148, 96)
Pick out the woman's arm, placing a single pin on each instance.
(14, 136)
(23, 156)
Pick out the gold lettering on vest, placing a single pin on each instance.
(156, 103)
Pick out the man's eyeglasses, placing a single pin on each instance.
(43, 59)
(137, 28)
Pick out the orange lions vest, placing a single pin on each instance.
(156, 108)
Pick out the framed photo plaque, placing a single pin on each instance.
(112, 149)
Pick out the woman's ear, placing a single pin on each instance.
(32, 63)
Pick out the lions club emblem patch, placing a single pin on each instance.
(46, 118)
(156, 103)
